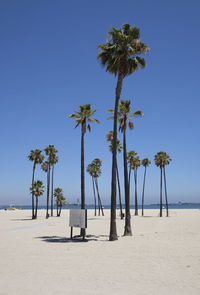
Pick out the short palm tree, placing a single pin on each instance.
(37, 190)
(90, 170)
(45, 168)
(94, 170)
(36, 157)
(145, 162)
(161, 160)
(125, 118)
(135, 165)
(120, 56)
(130, 158)
(52, 159)
(60, 200)
(82, 117)
(109, 137)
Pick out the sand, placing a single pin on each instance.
(162, 256)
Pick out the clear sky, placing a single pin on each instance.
(48, 67)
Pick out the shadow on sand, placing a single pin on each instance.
(56, 239)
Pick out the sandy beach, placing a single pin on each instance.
(162, 256)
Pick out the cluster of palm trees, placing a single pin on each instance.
(37, 187)
(121, 55)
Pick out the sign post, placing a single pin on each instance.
(77, 218)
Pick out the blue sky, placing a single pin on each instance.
(48, 67)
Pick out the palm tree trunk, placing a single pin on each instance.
(129, 180)
(166, 191)
(60, 210)
(127, 228)
(36, 207)
(33, 176)
(52, 174)
(57, 209)
(99, 198)
(119, 190)
(143, 190)
(160, 191)
(95, 202)
(136, 202)
(48, 184)
(113, 228)
(82, 173)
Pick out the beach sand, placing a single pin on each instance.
(162, 256)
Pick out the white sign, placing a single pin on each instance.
(78, 218)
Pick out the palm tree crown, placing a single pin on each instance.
(85, 112)
(109, 137)
(161, 159)
(120, 53)
(51, 153)
(124, 114)
(94, 168)
(36, 156)
(130, 156)
(135, 164)
(146, 162)
(37, 188)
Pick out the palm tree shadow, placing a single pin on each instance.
(22, 219)
(56, 239)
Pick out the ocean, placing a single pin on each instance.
(151, 206)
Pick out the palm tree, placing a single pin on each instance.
(109, 137)
(97, 173)
(52, 159)
(45, 168)
(161, 160)
(145, 162)
(94, 169)
(130, 158)
(36, 157)
(82, 117)
(60, 200)
(135, 165)
(90, 170)
(167, 162)
(37, 190)
(125, 117)
(120, 56)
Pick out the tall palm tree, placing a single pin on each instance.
(120, 56)
(36, 157)
(45, 168)
(161, 160)
(37, 190)
(109, 137)
(135, 165)
(50, 151)
(82, 117)
(125, 118)
(145, 162)
(60, 200)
